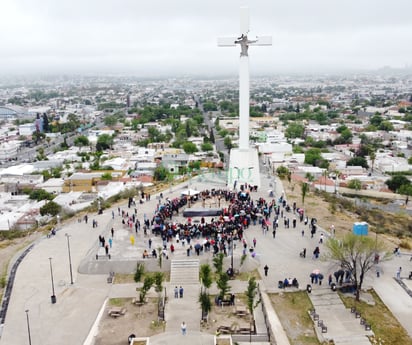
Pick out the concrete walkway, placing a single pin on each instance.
(342, 325)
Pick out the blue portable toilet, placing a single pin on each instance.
(360, 228)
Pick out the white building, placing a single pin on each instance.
(27, 129)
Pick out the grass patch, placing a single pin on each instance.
(245, 276)
(292, 309)
(122, 278)
(384, 324)
(118, 302)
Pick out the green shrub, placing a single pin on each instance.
(139, 272)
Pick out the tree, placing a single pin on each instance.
(205, 275)
(355, 254)
(358, 161)
(305, 188)
(46, 127)
(160, 173)
(346, 136)
(312, 156)
(405, 189)
(107, 176)
(104, 142)
(212, 136)
(209, 106)
(223, 284)
(206, 305)
(386, 126)
(207, 147)
(40, 194)
(110, 120)
(147, 284)
(282, 171)
(158, 278)
(376, 120)
(295, 130)
(355, 184)
(81, 140)
(396, 182)
(372, 157)
(218, 263)
(189, 147)
(228, 143)
(51, 208)
(251, 295)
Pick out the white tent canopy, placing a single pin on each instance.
(190, 192)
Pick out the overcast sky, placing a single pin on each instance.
(175, 37)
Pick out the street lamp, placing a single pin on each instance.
(231, 257)
(53, 297)
(70, 258)
(28, 325)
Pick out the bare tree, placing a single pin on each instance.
(356, 254)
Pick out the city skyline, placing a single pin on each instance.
(180, 38)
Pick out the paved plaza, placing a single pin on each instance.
(72, 320)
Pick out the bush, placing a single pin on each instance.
(405, 244)
(139, 272)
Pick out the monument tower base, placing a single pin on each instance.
(243, 168)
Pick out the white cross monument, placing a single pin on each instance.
(244, 161)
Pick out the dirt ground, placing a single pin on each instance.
(142, 321)
(315, 206)
(292, 311)
(138, 320)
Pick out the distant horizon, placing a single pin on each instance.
(212, 76)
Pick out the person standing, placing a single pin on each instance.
(266, 269)
(254, 242)
(398, 273)
(181, 292)
(112, 231)
(183, 328)
(176, 292)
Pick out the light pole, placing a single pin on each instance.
(28, 325)
(53, 296)
(231, 257)
(70, 258)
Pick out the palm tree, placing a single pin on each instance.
(305, 188)
(372, 157)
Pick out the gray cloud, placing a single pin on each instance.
(170, 37)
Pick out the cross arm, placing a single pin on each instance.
(227, 41)
(262, 41)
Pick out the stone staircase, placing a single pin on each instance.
(342, 325)
(184, 272)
